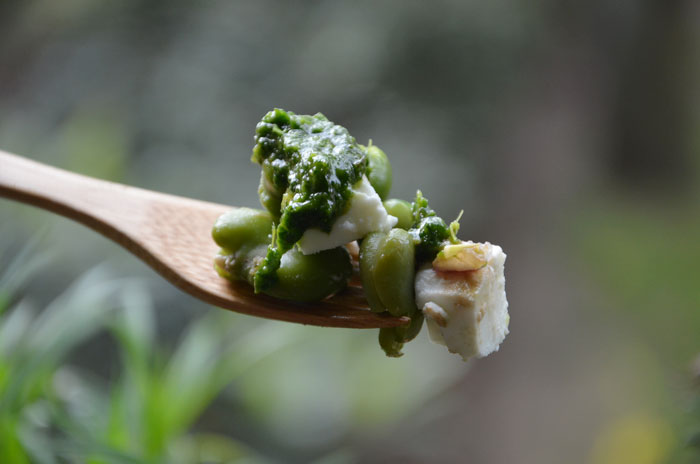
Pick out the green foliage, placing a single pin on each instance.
(151, 409)
(31, 349)
(50, 412)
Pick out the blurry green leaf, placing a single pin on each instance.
(187, 383)
(23, 265)
(14, 326)
(137, 318)
(211, 448)
(80, 396)
(249, 349)
(37, 444)
(82, 445)
(68, 320)
(4, 300)
(134, 329)
(11, 450)
(74, 315)
(119, 432)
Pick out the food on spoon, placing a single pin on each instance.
(322, 192)
(459, 286)
(312, 173)
(244, 234)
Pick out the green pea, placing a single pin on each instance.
(369, 253)
(402, 210)
(242, 227)
(394, 273)
(379, 171)
(392, 339)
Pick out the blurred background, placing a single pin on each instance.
(569, 132)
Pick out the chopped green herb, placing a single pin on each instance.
(428, 232)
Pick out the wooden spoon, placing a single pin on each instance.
(172, 235)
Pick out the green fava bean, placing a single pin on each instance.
(369, 253)
(409, 333)
(389, 343)
(242, 227)
(300, 277)
(379, 171)
(394, 273)
(241, 263)
(312, 277)
(401, 210)
(392, 339)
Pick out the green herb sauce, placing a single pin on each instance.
(429, 231)
(309, 166)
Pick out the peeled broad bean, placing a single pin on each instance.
(312, 277)
(392, 339)
(389, 343)
(242, 227)
(369, 253)
(299, 278)
(244, 234)
(379, 171)
(394, 273)
(401, 210)
(387, 271)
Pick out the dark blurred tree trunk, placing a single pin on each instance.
(653, 115)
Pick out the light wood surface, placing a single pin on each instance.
(172, 235)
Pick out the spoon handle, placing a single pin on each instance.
(121, 213)
(93, 202)
(114, 210)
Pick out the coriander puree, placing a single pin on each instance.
(309, 165)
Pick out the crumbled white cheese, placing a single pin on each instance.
(365, 214)
(466, 311)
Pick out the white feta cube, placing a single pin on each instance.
(466, 311)
(365, 214)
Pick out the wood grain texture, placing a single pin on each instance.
(172, 235)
